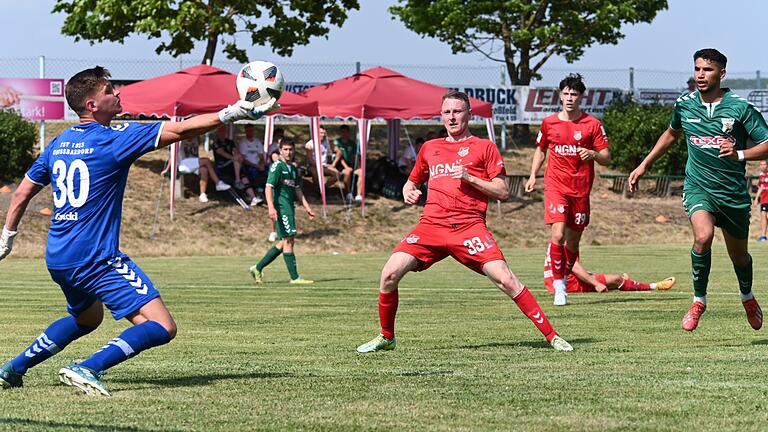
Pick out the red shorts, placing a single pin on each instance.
(574, 211)
(576, 285)
(470, 244)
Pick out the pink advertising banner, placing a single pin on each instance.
(34, 98)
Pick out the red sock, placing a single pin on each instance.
(387, 311)
(633, 285)
(555, 253)
(530, 307)
(570, 259)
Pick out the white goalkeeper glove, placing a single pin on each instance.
(6, 242)
(243, 110)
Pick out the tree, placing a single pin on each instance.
(524, 34)
(281, 24)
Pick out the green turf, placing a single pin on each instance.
(282, 357)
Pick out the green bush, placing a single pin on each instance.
(17, 142)
(633, 130)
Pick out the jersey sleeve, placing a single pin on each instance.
(754, 124)
(600, 138)
(38, 173)
(131, 140)
(274, 174)
(420, 172)
(541, 138)
(494, 163)
(676, 122)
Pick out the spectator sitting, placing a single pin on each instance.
(191, 163)
(347, 155)
(229, 163)
(325, 149)
(408, 159)
(254, 163)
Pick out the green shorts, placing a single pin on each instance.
(734, 220)
(285, 225)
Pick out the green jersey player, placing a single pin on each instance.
(716, 124)
(281, 192)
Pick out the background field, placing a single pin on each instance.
(282, 358)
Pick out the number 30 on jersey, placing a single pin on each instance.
(65, 182)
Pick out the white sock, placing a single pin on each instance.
(747, 296)
(559, 285)
(702, 300)
(653, 285)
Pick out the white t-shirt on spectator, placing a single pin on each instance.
(325, 149)
(252, 150)
(408, 155)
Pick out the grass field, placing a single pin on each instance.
(282, 357)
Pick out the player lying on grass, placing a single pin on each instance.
(87, 167)
(580, 280)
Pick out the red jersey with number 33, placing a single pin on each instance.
(762, 184)
(566, 173)
(452, 201)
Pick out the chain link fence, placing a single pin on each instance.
(448, 75)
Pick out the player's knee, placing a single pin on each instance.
(511, 285)
(389, 279)
(170, 327)
(702, 241)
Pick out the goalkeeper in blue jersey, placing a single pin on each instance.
(87, 167)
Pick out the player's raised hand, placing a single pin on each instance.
(586, 154)
(244, 110)
(258, 111)
(530, 184)
(6, 242)
(634, 176)
(412, 196)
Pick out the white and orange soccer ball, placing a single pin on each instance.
(259, 81)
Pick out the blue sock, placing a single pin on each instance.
(57, 336)
(130, 342)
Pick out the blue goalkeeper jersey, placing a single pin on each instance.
(87, 167)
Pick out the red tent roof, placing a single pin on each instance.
(382, 92)
(196, 90)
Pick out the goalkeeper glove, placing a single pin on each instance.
(243, 110)
(6, 242)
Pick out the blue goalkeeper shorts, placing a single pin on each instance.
(119, 283)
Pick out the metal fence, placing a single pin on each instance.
(297, 72)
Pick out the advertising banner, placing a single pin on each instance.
(536, 103)
(39, 98)
(504, 100)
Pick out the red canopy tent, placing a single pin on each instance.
(196, 90)
(383, 93)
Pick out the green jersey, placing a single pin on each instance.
(284, 179)
(348, 150)
(706, 126)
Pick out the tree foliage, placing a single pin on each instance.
(633, 130)
(17, 138)
(524, 34)
(181, 23)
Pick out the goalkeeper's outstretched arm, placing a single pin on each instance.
(21, 198)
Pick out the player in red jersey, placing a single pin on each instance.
(463, 172)
(580, 280)
(762, 199)
(576, 140)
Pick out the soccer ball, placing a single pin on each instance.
(259, 81)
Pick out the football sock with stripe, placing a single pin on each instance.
(57, 336)
(744, 276)
(700, 265)
(131, 341)
(530, 307)
(270, 256)
(556, 253)
(388, 302)
(290, 264)
(570, 259)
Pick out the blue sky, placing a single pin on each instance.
(371, 36)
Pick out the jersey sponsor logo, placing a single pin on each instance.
(441, 170)
(69, 216)
(411, 239)
(289, 182)
(463, 151)
(712, 141)
(120, 127)
(692, 120)
(577, 135)
(567, 149)
(727, 124)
